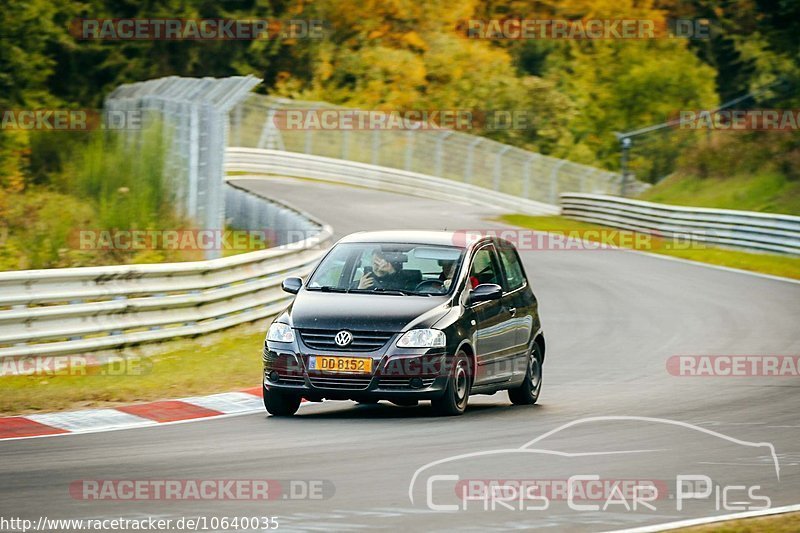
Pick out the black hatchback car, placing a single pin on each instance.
(406, 316)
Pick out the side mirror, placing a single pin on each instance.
(292, 285)
(485, 292)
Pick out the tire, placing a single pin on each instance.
(528, 392)
(281, 404)
(456, 396)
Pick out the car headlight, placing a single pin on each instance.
(279, 332)
(422, 338)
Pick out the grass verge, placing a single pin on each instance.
(785, 523)
(773, 264)
(768, 192)
(220, 362)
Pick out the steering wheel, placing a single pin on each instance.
(434, 284)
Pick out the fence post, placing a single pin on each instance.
(592, 172)
(237, 125)
(498, 166)
(409, 149)
(308, 142)
(345, 143)
(376, 146)
(554, 182)
(270, 133)
(440, 152)
(194, 156)
(526, 176)
(470, 157)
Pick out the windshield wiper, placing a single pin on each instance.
(327, 288)
(399, 292)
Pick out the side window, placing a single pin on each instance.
(483, 269)
(512, 268)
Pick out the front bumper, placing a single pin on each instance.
(397, 374)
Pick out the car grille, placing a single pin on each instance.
(292, 380)
(363, 341)
(402, 383)
(341, 382)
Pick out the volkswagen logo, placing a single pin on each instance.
(343, 338)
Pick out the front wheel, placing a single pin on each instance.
(456, 395)
(280, 403)
(528, 392)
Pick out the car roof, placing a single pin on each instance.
(441, 238)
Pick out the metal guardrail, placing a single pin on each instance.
(292, 164)
(739, 229)
(70, 310)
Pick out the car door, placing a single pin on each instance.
(494, 331)
(518, 299)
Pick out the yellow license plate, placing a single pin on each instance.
(341, 364)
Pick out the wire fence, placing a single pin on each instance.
(193, 113)
(443, 153)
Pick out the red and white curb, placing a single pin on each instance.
(132, 416)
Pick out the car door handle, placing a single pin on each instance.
(513, 311)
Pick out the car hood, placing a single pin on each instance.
(375, 312)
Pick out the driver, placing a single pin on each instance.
(386, 273)
(448, 271)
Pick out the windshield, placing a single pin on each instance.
(388, 268)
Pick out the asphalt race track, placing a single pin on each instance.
(611, 319)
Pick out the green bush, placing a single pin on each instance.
(105, 181)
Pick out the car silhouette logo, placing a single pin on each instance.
(343, 338)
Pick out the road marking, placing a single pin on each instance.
(228, 402)
(709, 520)
(169, 411)
(20, 427)
(90, 420)
(150, 414)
